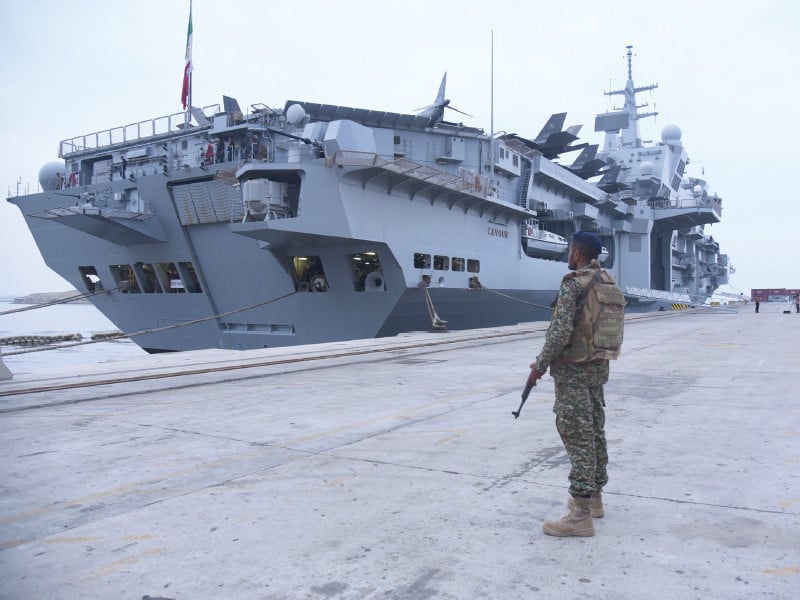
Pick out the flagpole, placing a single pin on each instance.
(191, 67)
(491, 118)
(186, 92)
(189, 105)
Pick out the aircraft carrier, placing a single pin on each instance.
(220, 227)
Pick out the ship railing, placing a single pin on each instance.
(712, 202)
(111, 213)
(150, 129)
(464, 181)
(656, 294)
(352, 158)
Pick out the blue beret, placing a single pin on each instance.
(586, 238)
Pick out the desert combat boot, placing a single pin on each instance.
(577, 523)
(597, 505)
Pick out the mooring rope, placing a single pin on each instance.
(482, 287)
(436, 321)
(118, 336)
(54, 302)
(692, 305)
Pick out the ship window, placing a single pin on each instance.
(147, 275)
(397, 140)
(457, 263)
(422, 261)
(90, 279)
(367, 272)
(190, 277)
(309, 275)
(123, 277)
(170, 279)
(516, 160)
(441, 263)
(473, 265)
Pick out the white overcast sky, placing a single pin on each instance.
(727, 74)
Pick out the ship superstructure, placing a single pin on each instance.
(312, 222)
(668, 248)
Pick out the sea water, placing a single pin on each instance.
(60, 319)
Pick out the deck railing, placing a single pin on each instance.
(712, 202)
(143, 130)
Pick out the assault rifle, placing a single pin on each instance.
(525, 393)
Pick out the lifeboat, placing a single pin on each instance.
(540, 243)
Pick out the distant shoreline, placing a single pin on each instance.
(47, 297)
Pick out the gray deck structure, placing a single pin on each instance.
(392, 468)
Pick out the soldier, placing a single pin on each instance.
(579, 378)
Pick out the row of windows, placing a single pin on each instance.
(445, 263)
(156, 278)
(309, 274)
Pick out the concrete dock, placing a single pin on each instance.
(394, 469)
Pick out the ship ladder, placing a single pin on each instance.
(437, 323)
(526, 178)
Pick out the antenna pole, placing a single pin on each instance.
(491, 119)
(191, 66)
(630, 62)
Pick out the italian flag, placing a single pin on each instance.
(186, 92)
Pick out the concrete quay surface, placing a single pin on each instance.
(393, 469)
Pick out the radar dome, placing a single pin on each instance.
(646, 168)
(295, 114)
(48, 175)
(671, 134)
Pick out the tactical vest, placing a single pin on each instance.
(599, 326)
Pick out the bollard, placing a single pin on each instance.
(4, 372)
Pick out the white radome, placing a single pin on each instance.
(671, 133)
(295, 114)
(47, 175)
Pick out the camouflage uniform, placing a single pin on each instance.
(579, 406)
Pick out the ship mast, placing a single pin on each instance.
(630, 135)
(491, 118)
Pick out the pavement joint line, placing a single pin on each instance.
(300, 454)
(328, 454)
(273, 362)
(398, 427)
(556, 486)
(304, 359)
(306, 366)
(534, 327)
(331, 453)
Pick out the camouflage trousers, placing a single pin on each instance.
(580, 421)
